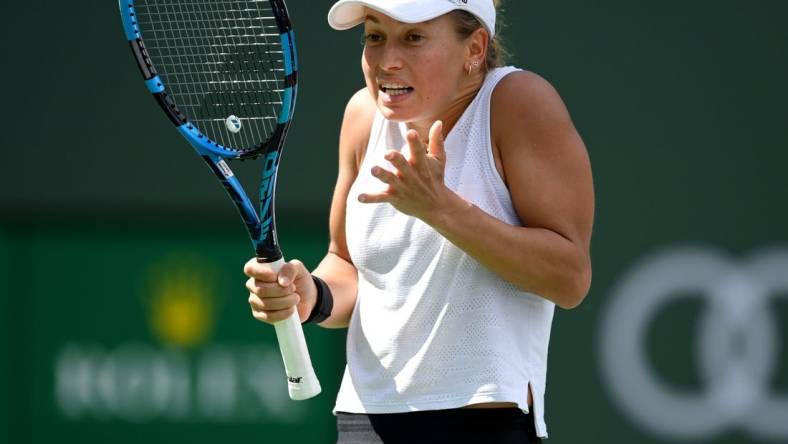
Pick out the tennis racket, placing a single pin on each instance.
(225, 73)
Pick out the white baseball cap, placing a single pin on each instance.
(346, 14)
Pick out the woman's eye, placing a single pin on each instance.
(415, 37)
(372, 38)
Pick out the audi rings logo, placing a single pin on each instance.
(737, 344)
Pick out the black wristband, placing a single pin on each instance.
(324, 303)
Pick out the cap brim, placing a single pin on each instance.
(346, 14)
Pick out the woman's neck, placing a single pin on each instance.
(452, 113)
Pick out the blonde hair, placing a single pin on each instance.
(466, 23)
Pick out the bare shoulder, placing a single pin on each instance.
(529, 118)
(357, 124)
(524, 86)
(524, 103)
(361, 105)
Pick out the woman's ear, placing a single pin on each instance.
(477, 46)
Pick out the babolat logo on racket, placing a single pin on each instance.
(226, 171)
(267, 193)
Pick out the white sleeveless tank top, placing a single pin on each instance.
(432, 328)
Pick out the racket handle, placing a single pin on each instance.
(302, 382)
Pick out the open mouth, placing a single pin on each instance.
(395, 89)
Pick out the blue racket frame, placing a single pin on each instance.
(259, 219)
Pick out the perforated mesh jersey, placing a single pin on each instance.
(432, 328)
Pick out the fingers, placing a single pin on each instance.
(270, 302)
(384, 175)
(264, 301)
(261, 271)
(397, 160)
(269, 289)
(418, 151)
(273, 296)
(416, 174)
(436, 147)
(272, 316)
(370, 198)
(287, 274)
(265, 282)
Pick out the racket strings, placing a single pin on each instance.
(218, 59)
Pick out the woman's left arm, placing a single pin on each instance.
(546, 168)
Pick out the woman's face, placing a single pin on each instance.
(414, 71)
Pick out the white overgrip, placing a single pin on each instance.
(302, 383)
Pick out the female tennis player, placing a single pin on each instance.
(462, 215)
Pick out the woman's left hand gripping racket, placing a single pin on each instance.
(224, 72)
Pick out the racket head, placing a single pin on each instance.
(226, 75)
(224, 72)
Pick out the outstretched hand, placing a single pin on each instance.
(416, 187)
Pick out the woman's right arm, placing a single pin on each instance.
(272, 296)
(337, 269)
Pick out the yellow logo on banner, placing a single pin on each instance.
(181, 301)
